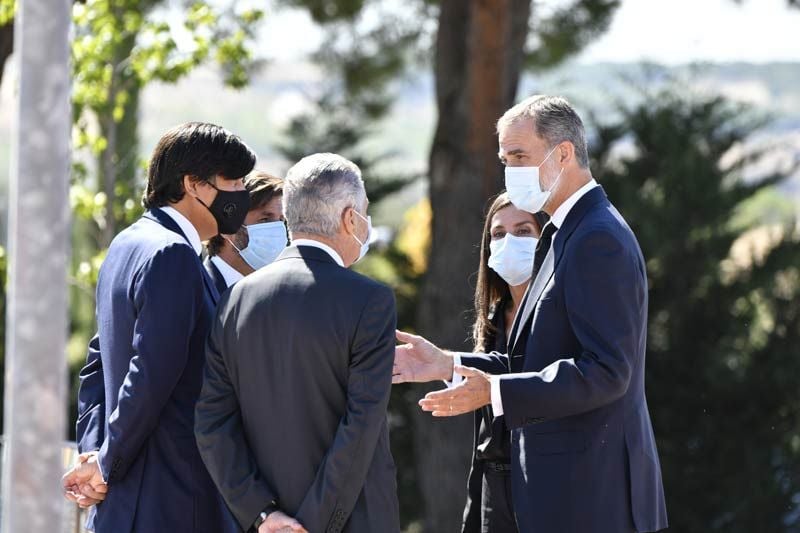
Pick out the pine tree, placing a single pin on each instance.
(723, 366)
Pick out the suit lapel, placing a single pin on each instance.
(211, 288)
(160, 217)
(534, 293)
(535, 289)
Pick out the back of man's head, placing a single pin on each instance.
(316, 192)
(195, 149)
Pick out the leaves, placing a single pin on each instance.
(722, 365)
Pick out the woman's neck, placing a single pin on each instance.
(517, 293)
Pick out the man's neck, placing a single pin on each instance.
(232, 257)
(571, 185)
(184, 208)
(333, 243)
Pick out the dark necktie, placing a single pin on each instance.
(542, 247)
(545, 241)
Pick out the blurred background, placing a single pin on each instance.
(693, 115)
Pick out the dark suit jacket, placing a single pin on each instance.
(142, 378)
(293, 406)
(215, 275)
(583, 450)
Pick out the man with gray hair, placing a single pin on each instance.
(570, 388)
(291, 420)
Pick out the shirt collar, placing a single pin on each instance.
(563, 210)
(230, 274)
(187, 227)
(322, 246)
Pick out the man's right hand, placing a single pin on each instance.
(420, 361)
(278, 522)
(83, 483)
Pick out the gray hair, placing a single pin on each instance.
(554, 120)
(317, 190)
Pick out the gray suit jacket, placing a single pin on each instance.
(293, 405)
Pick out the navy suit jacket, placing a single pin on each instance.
(216, 276)
(139, 387)
(584, 457)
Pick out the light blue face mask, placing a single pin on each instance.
(266, 242)
(365, 244)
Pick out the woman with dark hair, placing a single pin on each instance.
(508, 245)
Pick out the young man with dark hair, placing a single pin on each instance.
(139, 460)
(258, 242)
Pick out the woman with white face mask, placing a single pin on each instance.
(508, 246)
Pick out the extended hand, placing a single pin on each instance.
(471, 394)
(278, 522)
(419, 361)
(83, 483)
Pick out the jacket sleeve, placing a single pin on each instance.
(167, 297)
(342, 472)
(90, 427)
(491, 363)
(605, 299)
(221, 438)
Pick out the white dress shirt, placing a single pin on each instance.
(557, 219)
(322, 246)
(229, 274)
(187, 227)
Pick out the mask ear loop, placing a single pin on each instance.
(234, 246)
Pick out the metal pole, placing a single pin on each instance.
(39, 235)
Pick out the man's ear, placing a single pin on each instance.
(190, 185)
(566, 153)
(348, 220)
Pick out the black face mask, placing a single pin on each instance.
(229, 209)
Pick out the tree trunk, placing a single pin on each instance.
(117, 162)
(36, 316)
(6, 44)
(479, 53)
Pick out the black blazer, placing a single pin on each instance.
(293, 405)
(490, 433)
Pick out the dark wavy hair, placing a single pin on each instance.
(491, 289)
(196, 149)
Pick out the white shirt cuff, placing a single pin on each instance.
(497, 401)
(99, 467)
(457, 378)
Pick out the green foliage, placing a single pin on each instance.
(568, 30)
(326, 11)
(722, 365)
(8, 9)
(122, 45)
(360, 63)
(331, 127)
(119, 47)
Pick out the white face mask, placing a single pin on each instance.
(267, 241)
(512, 258)
(524, 188)
(365, 244)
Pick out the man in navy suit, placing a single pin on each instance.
(258, 242)
(571, 387)
(139, 460)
